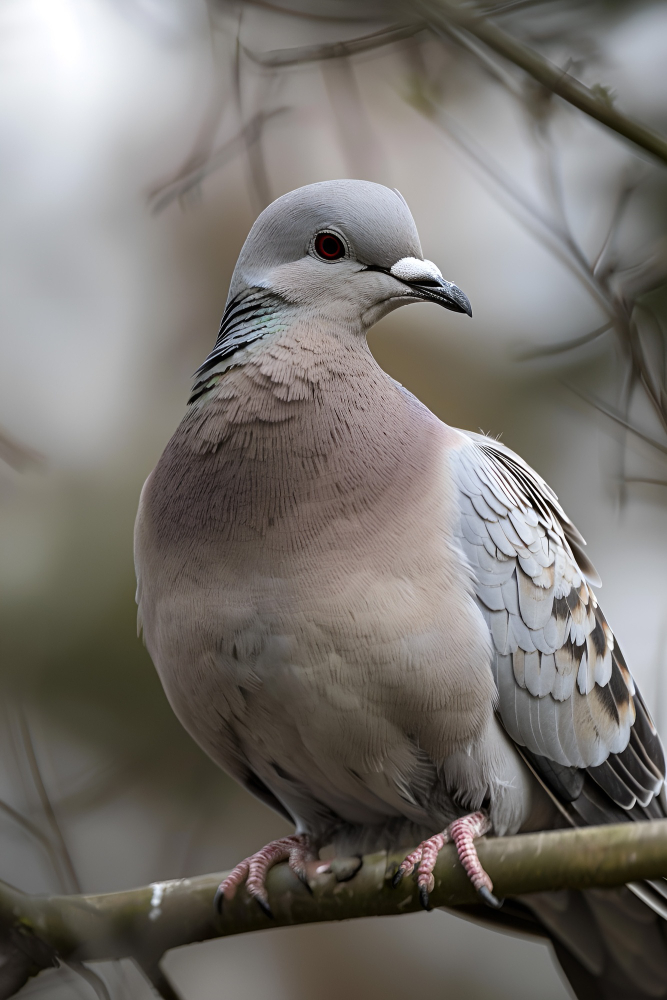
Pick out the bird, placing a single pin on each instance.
(383, 627)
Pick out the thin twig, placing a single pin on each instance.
(627, 190)
(645, 479)
(47, 806)
(592, 103)
(304, 15)
(30, 828)
(548, 350)
(257, 174)
(618, 418)
(355, 130)
(19, 456)
(534, 219)
(33, 829)
(281, 58)
(179, 188)
(203, 150)
(556, 235)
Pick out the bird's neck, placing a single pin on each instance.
(294, 388)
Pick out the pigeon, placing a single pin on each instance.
(385, 628)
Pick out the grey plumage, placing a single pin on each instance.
(373, 621)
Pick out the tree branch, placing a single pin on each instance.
(145, 923)
(442, 15)
(596, 102)
(282, 58)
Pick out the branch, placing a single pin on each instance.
(617, 417)
(145, 923)
(18, 455)
(282, 58)
(596, 103)
(165, 193)
(441, 15)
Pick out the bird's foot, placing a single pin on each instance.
(296, 850)
(462, 832)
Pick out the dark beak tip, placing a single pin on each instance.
(455, 299)
(461, 305)
(461, 300)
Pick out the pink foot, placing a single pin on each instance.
(463, 833)
(296, 850)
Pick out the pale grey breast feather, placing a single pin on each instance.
(564, 690)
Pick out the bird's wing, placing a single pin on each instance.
(564, 690)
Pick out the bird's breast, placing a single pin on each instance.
(300, 585)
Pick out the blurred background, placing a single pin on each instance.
(139, 139)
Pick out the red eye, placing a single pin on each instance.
(329, 247)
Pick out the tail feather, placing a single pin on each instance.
(567, 917)
(609, 945)
(653, 894)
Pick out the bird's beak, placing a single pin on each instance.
(428, 283)
(444, 293)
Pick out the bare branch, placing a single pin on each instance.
(49, 812)
(627, 190)
(548, 350)
(309, 15)
(145, 923)
(645, 479)
(441, 13)
(18, 455)
(618, 418)
(32, 829)
(173, 190)
(281, 58)
(540, 225)
(354, 127)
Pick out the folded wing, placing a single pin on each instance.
(565, 692)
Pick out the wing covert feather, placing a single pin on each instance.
(564, 690)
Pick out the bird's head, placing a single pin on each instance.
(343, 244)
(343, 250)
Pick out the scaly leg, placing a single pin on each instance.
(296, 850)
(463, 833)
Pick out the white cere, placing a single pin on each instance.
(413, 269)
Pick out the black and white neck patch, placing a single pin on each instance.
(251, 315)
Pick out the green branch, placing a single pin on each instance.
(37, 931)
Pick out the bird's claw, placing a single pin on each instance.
(253, 870)
(264, 906)
(424, 898)
(397, 878)
(488, 898)
(463, 833)
(303, 879)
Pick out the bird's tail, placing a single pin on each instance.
(610, 944)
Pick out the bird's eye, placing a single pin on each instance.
(328, 246)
